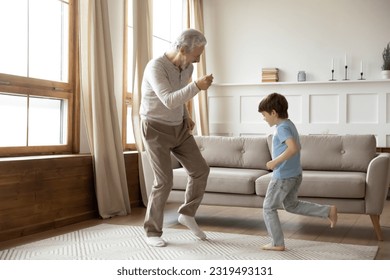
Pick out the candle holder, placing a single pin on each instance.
(346, 73)
(361, 76)
(332, 79)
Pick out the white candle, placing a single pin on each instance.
(361, 66)
(345, 59)
(332, 64)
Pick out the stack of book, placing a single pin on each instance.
(270, 75)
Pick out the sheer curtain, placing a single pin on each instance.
(199, 107)
(99, 108)
(142, 53)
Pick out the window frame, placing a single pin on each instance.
(127, 99)
(25, 86)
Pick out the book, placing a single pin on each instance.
(269, 74)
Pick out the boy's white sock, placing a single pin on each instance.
(155, 241)
(192, 225)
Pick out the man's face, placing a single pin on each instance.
(193, 56)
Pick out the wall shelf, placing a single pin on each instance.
(299, 83)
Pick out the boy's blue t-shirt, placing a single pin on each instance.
(291, 167)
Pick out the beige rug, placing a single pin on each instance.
(118, 242)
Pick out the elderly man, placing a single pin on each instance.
(166, 129)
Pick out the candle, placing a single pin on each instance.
(345, 59)
(332, 64)
(361, 66)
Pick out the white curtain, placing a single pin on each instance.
(199, 102)
(99, 108)
(142, 53)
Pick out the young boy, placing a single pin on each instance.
(287, 173)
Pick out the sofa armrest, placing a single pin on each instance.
(377, 183)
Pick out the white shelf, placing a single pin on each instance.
(301, 83)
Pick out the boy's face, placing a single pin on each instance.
(271, 118)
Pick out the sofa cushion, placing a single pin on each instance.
(327, 184)
(223, 180)
(237, 152)
(336, 152)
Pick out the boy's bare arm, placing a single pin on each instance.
(292, 149)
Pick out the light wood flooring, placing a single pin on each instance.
(350, 228)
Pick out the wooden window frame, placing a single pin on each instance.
(127, 99)
(25, 86)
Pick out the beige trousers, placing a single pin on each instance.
(160, 141)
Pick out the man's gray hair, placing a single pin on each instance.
(189, 39)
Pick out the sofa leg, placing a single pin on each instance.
(377, 227)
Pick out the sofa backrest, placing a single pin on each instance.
(337, 152)
(318, 152)
(239, 152)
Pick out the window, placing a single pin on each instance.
(127, 125)
(37, 77)
(168, 23)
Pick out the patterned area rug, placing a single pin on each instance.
(118, 242)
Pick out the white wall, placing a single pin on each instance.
(246, 35)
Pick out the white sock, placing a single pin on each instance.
(155, 241)
(192, 225)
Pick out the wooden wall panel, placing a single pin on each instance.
(323, 107)
(131, 163)
(42, 193)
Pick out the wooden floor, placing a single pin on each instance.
(350, 229)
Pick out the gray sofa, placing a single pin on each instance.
(342, 170)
